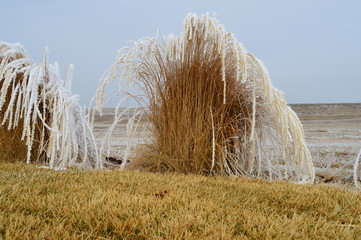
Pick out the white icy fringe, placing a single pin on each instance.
(276, 148)
(357, 171)
(66, 136)
(132, 117)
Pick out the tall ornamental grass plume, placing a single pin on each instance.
(211, 106)
(40, 121)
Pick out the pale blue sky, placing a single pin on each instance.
(311, 48)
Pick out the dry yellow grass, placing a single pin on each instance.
(46, 204)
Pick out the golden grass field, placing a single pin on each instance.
(40, 203)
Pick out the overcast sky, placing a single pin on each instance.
(311, 48)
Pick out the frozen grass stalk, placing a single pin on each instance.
(357, 171)
(212, 107)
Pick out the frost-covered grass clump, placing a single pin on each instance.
(211, 106)
(40, 120)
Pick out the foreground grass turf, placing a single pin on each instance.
(46, 204)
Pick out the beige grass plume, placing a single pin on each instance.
(40, 120)
(212, 107)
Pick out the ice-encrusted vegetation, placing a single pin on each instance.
(41, 120)
(212, 107)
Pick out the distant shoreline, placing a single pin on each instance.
(309, 110)
(295, 104)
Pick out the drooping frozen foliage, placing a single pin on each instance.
(40, 119)
(212, 107)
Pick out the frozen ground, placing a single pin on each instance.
(333, 135)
